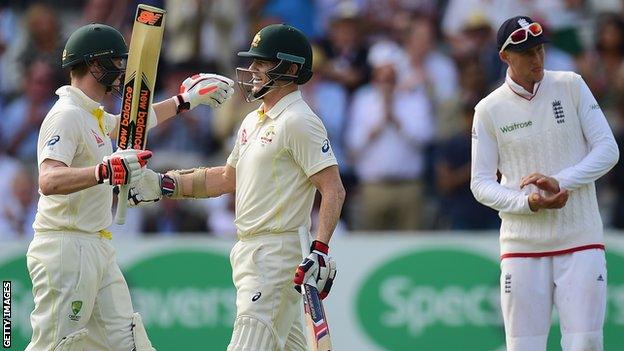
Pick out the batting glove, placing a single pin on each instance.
(122, 167)
(204, 89)
(151, 188)
(318, 266)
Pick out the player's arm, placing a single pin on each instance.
(483, 180)
(55, 177)
(204, 182)
(122, 167)
(603, 150)
(328, 183)
(193, 183)
(201, 89)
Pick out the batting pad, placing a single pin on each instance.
(252, 334)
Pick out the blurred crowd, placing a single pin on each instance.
(395, 82)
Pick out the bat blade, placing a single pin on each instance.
(315, 317)
(138, 89)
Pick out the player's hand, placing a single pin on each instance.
(543, 182)
(554, 198)
(151, 188)
(122, 167)
(318, 266)
(204, 89)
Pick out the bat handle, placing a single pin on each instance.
(122, 205)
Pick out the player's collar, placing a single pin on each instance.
(78, 96)
(518, 89)
(284, 102)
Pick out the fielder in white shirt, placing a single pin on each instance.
(546, 135)
(81, 299)
(281, 157)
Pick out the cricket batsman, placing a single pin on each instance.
(281, 157)
(546, 134)
(81, 299)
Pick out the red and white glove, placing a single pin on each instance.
(122, 167)
(319, 266)
(203, 89)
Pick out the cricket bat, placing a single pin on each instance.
(138, 88)
(316, 321)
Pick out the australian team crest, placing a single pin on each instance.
(256, 40)
(268, 135)
(76, 306)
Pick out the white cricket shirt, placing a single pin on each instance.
(274, 156)
(71, 133)
(557, 130)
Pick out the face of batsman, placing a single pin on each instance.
(263, 75)
(527, 67)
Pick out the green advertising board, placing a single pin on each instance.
(436, 299)
(411, 293)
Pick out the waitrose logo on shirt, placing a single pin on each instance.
(515, 126)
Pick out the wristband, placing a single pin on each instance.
(101, 173)
(319, 246)
(181, 104)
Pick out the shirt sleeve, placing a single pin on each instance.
(232, 160)
(308, 142)
(483, 182)
(603, 150)
(59, 137)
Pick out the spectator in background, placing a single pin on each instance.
(40, 40)
(472, 87)
(477, 40)
(388, 130)
(111, 12)
(345, 50)
(172, 217)
(460, 211)
(329, 100)
(17, 211)
(427, 66)
(190, 131)
(22, 118)
(9, 33)
(616, 178)
(221, 215)
(224, 30)
(297, 13)
(599, 67)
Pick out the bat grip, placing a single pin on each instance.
(122, 204)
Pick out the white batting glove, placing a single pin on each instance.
(151, 188)
(122, 167)
(204, 89)
(318, 266)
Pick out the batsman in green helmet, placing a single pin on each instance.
(81, 299)
(281, 157)
(286, 50)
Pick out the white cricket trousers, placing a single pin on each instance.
(77, 284)
(268, 308)
(576, 283)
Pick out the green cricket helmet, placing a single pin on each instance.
(284, 45)
(97, 42)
